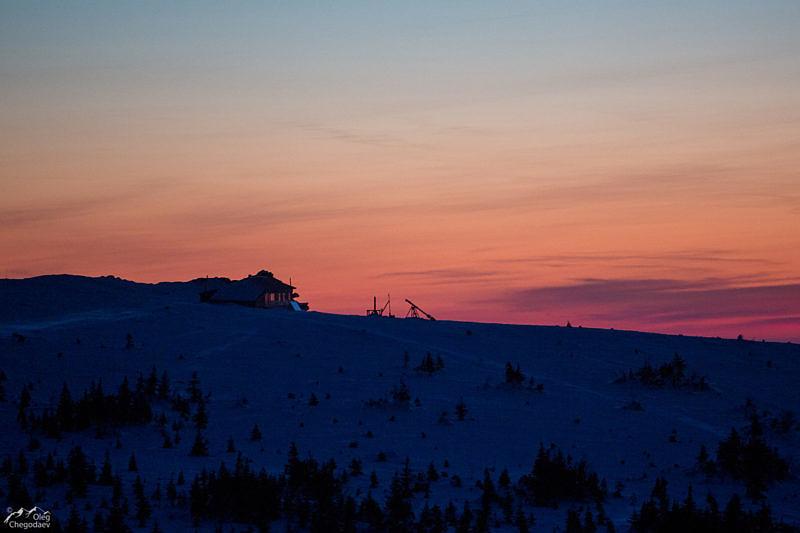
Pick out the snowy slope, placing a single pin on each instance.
(262, 367)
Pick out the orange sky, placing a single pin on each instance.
(631, 167)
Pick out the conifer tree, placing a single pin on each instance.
(139, 383)
(40, 475)
(172, 492)
(514, 376)
(123, 402)
(152, 383)
(74, 523)
(432, 475)
(504, 481)
(98, 523)
(200, 418)
(22, 462)
(79, 471)
(356, 468)
(461, 409)
(116, 520)
(24, 403)
(106, 475)
(143, 507)
(163, 386)
(200, 446)
(465, 521)
(398, 508)
(18, 495)
(195, 394)
(521, 521)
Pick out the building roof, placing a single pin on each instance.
(251, 288)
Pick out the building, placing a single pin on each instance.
(260, 290)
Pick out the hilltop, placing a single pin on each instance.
(444, 408)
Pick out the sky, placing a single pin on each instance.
(612, 164)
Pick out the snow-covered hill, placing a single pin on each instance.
(262, 367)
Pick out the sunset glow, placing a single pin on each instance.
(612, 164)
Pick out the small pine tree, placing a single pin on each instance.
(195, 394)
(22, 462)
(521, 521)
(461, 409)
(143, 507)
(398, 507)
(98, 523)
(432, 475)
(18, 495)
(172, 492)
(356, 467)
(427, 365)
(200, 418)
(106, 475)
(74, 524)
(163, 386)
(466, 519)
(151, 386)
(255, 434)
(132, 467)
(504, 481)
(24, 403)
(313, 400)
(401, 393)
(704, 461)
(514, 376)
(231, 448)
(574, 524)
(200, 446)
(80, 472)
(116, 520)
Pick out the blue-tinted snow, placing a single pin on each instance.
(267, 355)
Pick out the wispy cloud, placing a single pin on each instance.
(51, 209)
(678, 256)
(379, 138)
(249, 214)
(446, 276)
(55, 210)
(448, 273)
(640, 188)
(661, 301)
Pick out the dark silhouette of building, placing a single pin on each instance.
(259, 290)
